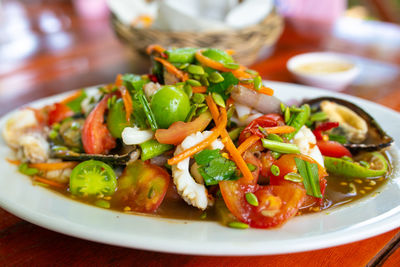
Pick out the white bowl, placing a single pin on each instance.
(335, 80)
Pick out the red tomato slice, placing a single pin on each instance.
(287, 164)
(289, 198)
(96, 138)
(269, 120)
(179, 130)
(142, 186)
(59, 112)
(332, 149)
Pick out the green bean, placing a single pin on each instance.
(152, 148)
(280, 147)
(251, 199)
(257, 83)
(274, 137)
(196, 69)
(234, 134)
(193, 82)
(181, 55)
(218, 99)
(232, 66)
(216, 77)
(198, 98)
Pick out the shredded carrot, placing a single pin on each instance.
(221, 124)
(51, 166)
(118, 80)
(230, 146)
(199, 89)
(248, 143)
(48, 182)
(280, 129)
(172, 69)
(263, 90)
(208, 62)
(155, 47)
(212, 107)
(14, 161)
(71, 97)
(230, 51)
(126, 97)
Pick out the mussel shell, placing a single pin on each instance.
(377, 138)
(113, 159)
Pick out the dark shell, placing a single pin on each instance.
(377, 138)
(114, 159)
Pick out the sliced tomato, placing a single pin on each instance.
(266, 162)
(96, 138)
(178, 131)
(142, 186)
(287, 164)
(332, 149)
(277, 204)
(59, 112)
(269, 120)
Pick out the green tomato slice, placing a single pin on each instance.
(338, 166)
(92, 177)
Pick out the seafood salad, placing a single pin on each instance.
(200, 137)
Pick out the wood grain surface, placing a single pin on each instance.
(36, 62)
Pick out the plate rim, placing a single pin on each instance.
(391, 220)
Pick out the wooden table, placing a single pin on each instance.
(47, 49)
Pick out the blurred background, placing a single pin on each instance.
(51, 46)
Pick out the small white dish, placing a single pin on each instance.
(327, 70)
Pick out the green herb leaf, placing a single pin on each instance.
(309, 172)
(222, 87)
(204, 157)
(338, 138)
(217, 169)
(75, 104)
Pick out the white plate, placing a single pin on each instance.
(362, 219)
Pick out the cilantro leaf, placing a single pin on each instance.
(222, 87)
(215, 168)
(204, 157)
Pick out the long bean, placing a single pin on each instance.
(297, 120)
(181, 55)
(152, 148)
(280, 147)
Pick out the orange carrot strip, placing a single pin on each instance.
(155, 47)
(199, 89)
(263, 90)
(71, 97)
(209, 62)
(221, 124)
(14, 161)
(51, 166)
(118, 80)
(230, 51)
(48, 182)
(248, 143)
(172, 69)
(280, 129)
(230, 146)
(126, 97)
(212, 107)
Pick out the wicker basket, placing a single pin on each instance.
(246, 42)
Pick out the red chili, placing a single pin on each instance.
(325, 126)
(153, 78)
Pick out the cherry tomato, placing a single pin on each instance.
(142, 186)
(266, 161)
(269, 120)
(96, 138)
(286, 164)
(332, 149)
(59, 112)
(179, 130)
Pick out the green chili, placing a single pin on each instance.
(280, 147)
